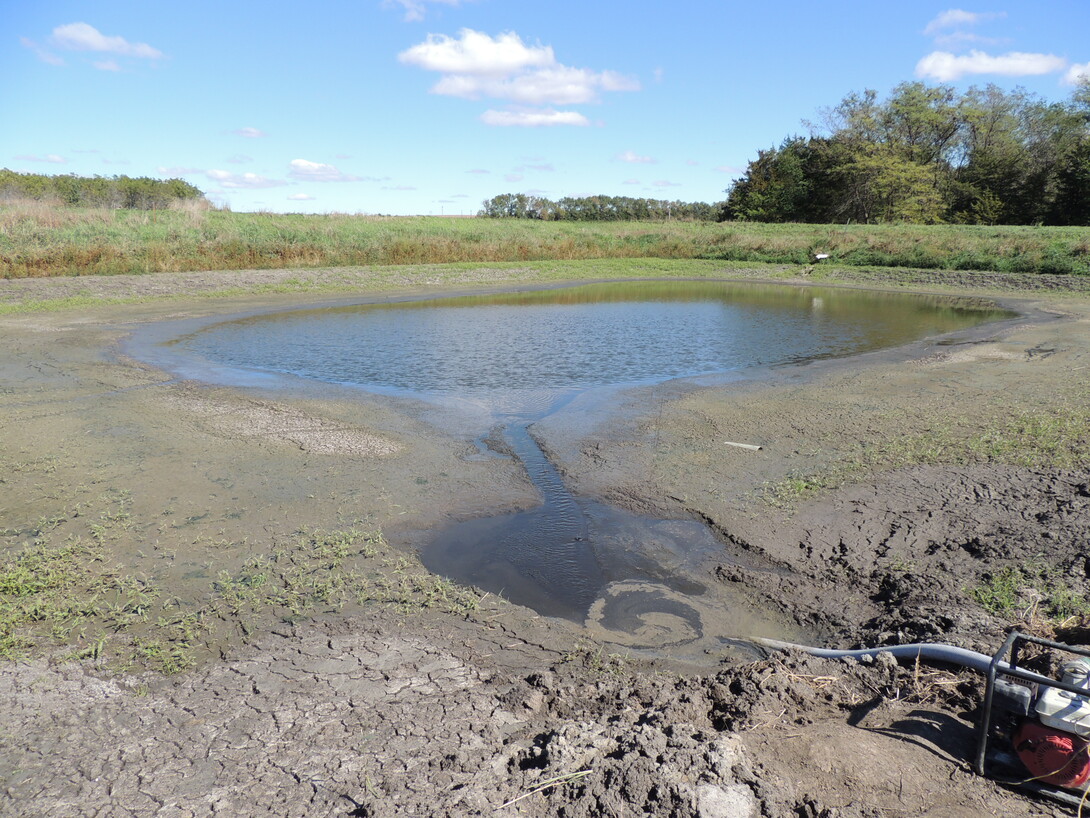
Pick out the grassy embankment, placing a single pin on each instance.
(41, 240)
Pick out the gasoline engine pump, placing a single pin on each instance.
(1045, 722)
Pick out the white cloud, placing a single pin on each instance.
(241, 181)
(513, 177)
(475, 65)
(399, 187)
(240, 159)
(51, 158)
(307, 171)
(555, 85)
(249, 133)
(300, 197)
(416, 9)
(730, 169)
(630, 182)
(42, 54)
(634, 158)
(1077, 73)
(944, 66)
(533, 119)
(476, 53)
(955, 18)
(84, 37)
(666, 183)
(478, 171)
(107, 65)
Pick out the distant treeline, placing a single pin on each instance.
(595, 209)
(133, 193)
(928, 155)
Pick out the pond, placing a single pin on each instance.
(632, 580)
(518, 353)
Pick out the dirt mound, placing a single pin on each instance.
(898, 558)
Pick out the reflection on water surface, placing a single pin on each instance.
(505, 349)
(632, 580)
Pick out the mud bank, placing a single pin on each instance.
(403, 707)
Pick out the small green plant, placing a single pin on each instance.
(595, 659)
(1032, 591)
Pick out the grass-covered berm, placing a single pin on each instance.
(201, 614)
(39, 239)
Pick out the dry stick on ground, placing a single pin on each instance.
(552, 782)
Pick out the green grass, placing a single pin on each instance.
(69, 596)
(37, 240)
(1033, 592)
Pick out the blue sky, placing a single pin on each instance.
(431, 106)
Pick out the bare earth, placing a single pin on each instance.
(384, 710)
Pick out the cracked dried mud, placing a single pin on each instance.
(887, 487)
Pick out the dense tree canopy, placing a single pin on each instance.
(928, 155)
(137, 193)
(595, 209)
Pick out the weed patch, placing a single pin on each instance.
(69, 593)
(1034, 593)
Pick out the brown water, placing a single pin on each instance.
(514, 358)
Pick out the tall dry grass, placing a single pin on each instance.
(39, 239)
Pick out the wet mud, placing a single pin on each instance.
(387, 710)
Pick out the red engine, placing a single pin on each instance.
(1053, 756)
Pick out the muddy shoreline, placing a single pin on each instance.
(407, 709)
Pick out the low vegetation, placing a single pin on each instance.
(1034, 593)
(73, 596)
(41, 240)
(1056, 435)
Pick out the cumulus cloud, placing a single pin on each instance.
(1077, 73)
(533, 119)
(85, 37)
(51, 158)
(241, 181)
(474, 52)
(634, 158)
(249, 133)
(307, 171)
(415, 10)
(475, 65)
(945, 67)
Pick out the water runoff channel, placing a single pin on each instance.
(512, 359)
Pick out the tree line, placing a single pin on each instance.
(595, 209)
(928, 155)
(135, 193)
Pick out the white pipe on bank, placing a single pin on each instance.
(923, 650)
